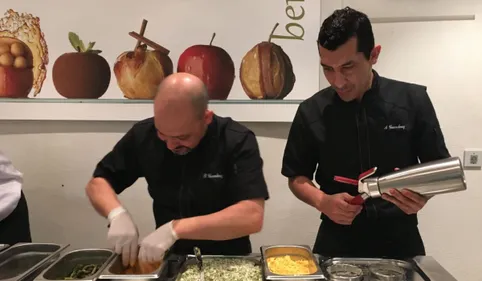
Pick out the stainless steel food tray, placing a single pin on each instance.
(432, 269)
(411, 272)
(24, 261)
(113, 271)
(191, 259)
(63, 267)
(292, 250)
(3, 247)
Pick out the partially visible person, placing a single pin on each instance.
(14, 216)
(204, 173)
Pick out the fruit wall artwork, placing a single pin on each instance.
(139, 72)
(266, 71)
(213, 65)
(23, 55)
(83, 53)
(83, 74)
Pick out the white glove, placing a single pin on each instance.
(154, 246)
(123, 235)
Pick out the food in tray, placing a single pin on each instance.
(82, 271)
(289, 265)
(224, 269)
(341, 270)
(142, 268)
(387, 271)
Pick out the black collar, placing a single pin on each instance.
(374, 89)
(211, 131)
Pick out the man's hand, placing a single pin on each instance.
(123, 235)
(338, 208)
(154, 246)
(408, 201)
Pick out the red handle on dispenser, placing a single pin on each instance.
(360, 198)
(346, 180)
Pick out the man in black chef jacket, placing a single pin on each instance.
(204, 174)
(362, 121)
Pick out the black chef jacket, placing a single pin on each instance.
(15, 228)
(393, 126)
(225, 168)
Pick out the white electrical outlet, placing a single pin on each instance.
(473, 158)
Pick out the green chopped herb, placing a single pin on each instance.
(81, 271)
(224, 269)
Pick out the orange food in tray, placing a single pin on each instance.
(142, 268)
(290, 265)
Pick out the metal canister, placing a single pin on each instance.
(430, 178)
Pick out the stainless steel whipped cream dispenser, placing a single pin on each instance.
(430, 178)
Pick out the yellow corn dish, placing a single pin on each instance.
(289, 265)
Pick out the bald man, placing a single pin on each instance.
(204, 174)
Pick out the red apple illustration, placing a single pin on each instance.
(213, 65)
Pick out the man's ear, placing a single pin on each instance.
(208, 117)
(375, 53)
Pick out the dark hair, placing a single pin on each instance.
(344, 24)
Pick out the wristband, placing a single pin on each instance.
(115, 212)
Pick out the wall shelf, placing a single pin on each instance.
(421, 19)
(135, 110)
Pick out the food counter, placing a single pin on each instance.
(48, 262)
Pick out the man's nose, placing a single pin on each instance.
(340, 80)
(172, 143)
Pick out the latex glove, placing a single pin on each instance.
(123, 235)
(155, 245)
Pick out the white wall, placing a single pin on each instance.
(57, 158)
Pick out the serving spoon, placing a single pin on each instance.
(197, 253)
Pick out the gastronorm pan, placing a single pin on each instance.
(301, 251)
(81, 264)
(3, 247)
(115, 271)
(371, 269)
(191, 260)
(23, 261)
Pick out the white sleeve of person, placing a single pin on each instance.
(11, 181)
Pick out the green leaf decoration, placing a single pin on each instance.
(79, 46)
(90, 46)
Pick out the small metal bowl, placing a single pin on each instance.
(345, 272)
(387, 272)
